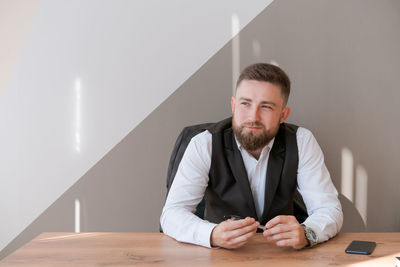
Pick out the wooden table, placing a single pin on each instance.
(148, 249)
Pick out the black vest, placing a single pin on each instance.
(228, 191)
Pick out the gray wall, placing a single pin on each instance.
(343, 60)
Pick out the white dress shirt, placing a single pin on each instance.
(191, 180)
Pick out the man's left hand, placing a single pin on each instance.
(285, 231)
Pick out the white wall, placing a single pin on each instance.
(89, 72)
(16, 17)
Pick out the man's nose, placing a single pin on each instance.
(254, 114)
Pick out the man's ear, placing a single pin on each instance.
(285, 114)
(233, 103)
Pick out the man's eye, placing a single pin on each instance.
(244, 103)
(266, 107)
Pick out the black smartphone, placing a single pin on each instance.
(361, 247)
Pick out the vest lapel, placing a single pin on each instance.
(274, 171)
(239, 170)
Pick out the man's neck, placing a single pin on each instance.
(255, 153)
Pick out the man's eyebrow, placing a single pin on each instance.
(269, 103)
(262, 102)
(246, 99)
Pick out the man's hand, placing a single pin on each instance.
(285, 231)
(233, 233)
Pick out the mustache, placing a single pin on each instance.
(253, 124)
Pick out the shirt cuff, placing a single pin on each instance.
(204, 233)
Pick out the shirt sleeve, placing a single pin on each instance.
(187, 190)
(316, 187)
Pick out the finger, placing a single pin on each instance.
(242, 231)
(280, 219)
(242, 239)
(280, 228)
(281, 236)
(286, 243)
(237, 224)
(238, 245)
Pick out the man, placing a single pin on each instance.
(251, 166)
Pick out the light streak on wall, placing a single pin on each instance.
(77, 216)
(235, 50)
(273, 62)
(361, 191)
(256, 49)
(78, 115)
(347, 173)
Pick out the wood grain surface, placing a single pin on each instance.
(156, 249)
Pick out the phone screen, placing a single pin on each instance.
(361, 247)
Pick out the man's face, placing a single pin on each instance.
(258, 110)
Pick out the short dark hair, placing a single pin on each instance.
(265, 72)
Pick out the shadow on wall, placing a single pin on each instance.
(354, 208)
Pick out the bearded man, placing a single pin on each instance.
(251, 166)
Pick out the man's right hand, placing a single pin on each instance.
(233, 234)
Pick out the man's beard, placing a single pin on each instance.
(253, 140)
